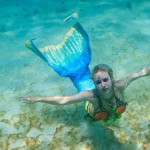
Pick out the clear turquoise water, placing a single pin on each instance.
(119, 36)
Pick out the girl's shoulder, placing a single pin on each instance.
(94, 98)
(120, 84)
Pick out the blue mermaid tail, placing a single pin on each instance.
(71, 57)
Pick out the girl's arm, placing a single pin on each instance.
(123, 83)
(60, 100)
(134, 76)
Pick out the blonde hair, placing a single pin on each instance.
(103, 67)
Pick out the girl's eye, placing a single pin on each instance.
(105, 80)
(98, 82)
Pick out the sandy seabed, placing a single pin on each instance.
(119, 36)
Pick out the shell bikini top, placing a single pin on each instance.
(100, 113)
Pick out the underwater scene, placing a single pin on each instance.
(112, 32)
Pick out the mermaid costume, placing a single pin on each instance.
(71, 57)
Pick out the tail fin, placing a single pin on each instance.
(71, 57)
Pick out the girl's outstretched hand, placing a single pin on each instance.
(26, 99)
(146, 71)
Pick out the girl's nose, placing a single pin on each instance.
(103, 84)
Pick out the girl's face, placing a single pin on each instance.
(103, 83)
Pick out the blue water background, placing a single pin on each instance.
(119, 33)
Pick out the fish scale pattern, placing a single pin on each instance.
(70, 58)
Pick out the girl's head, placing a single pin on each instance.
(103, 67)
(102, 76)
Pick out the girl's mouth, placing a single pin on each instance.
(105, 90)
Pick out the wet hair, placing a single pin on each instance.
(103, 67)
